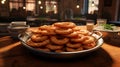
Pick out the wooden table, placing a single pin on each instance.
(13, 54)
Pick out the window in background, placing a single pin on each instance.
(15, 4)
(22, 8)
(30, 1)
(93, 6)
(29, 5)
(51, 6)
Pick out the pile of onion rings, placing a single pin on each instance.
(61, 37)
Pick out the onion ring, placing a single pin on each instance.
(71, 35)
(63, 31)
(73, 45)
(57, 41)
(84, 32)
(72, 49)
(41, 44)
(54, 47)
(90, 45)
(65, 24)
(36, 31)
(38, 37)
(77, 28)
(44, 27)
(80, 38)
(47, 32)
(88, 40)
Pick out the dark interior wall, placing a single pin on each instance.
(108, 9)
(4, 9)
(72, 4)
(119, 12)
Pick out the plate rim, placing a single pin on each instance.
(105, 30)
(99, 44)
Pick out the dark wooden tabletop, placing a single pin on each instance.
(14, 54)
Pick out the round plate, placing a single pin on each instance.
(106, 30)
(62, 55)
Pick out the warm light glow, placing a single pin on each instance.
(55, 12)
(55, 6)
(30, 6)
(24, 7)
(46, 11)
(77, 6)
(93, 5)
(51, 6)
(41, 7)
(2, 2)
(39, 2)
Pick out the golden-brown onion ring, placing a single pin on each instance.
(72, 49)
(88, 40)
(54, 47)
(38, 38)
(36, 31)
(63, 31)
(84, 32)
(47, 32)
(77, 28)
(41, 44)
(65, 24)
(73, 34)
(73, 45)
(44, 27)
(57, 41)
(90, 45)
(80, 38)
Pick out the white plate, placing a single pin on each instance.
(117, 29)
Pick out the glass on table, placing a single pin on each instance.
(90, 25)
(101, 22)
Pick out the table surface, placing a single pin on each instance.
(14, 54)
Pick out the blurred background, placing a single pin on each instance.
(39, 12)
